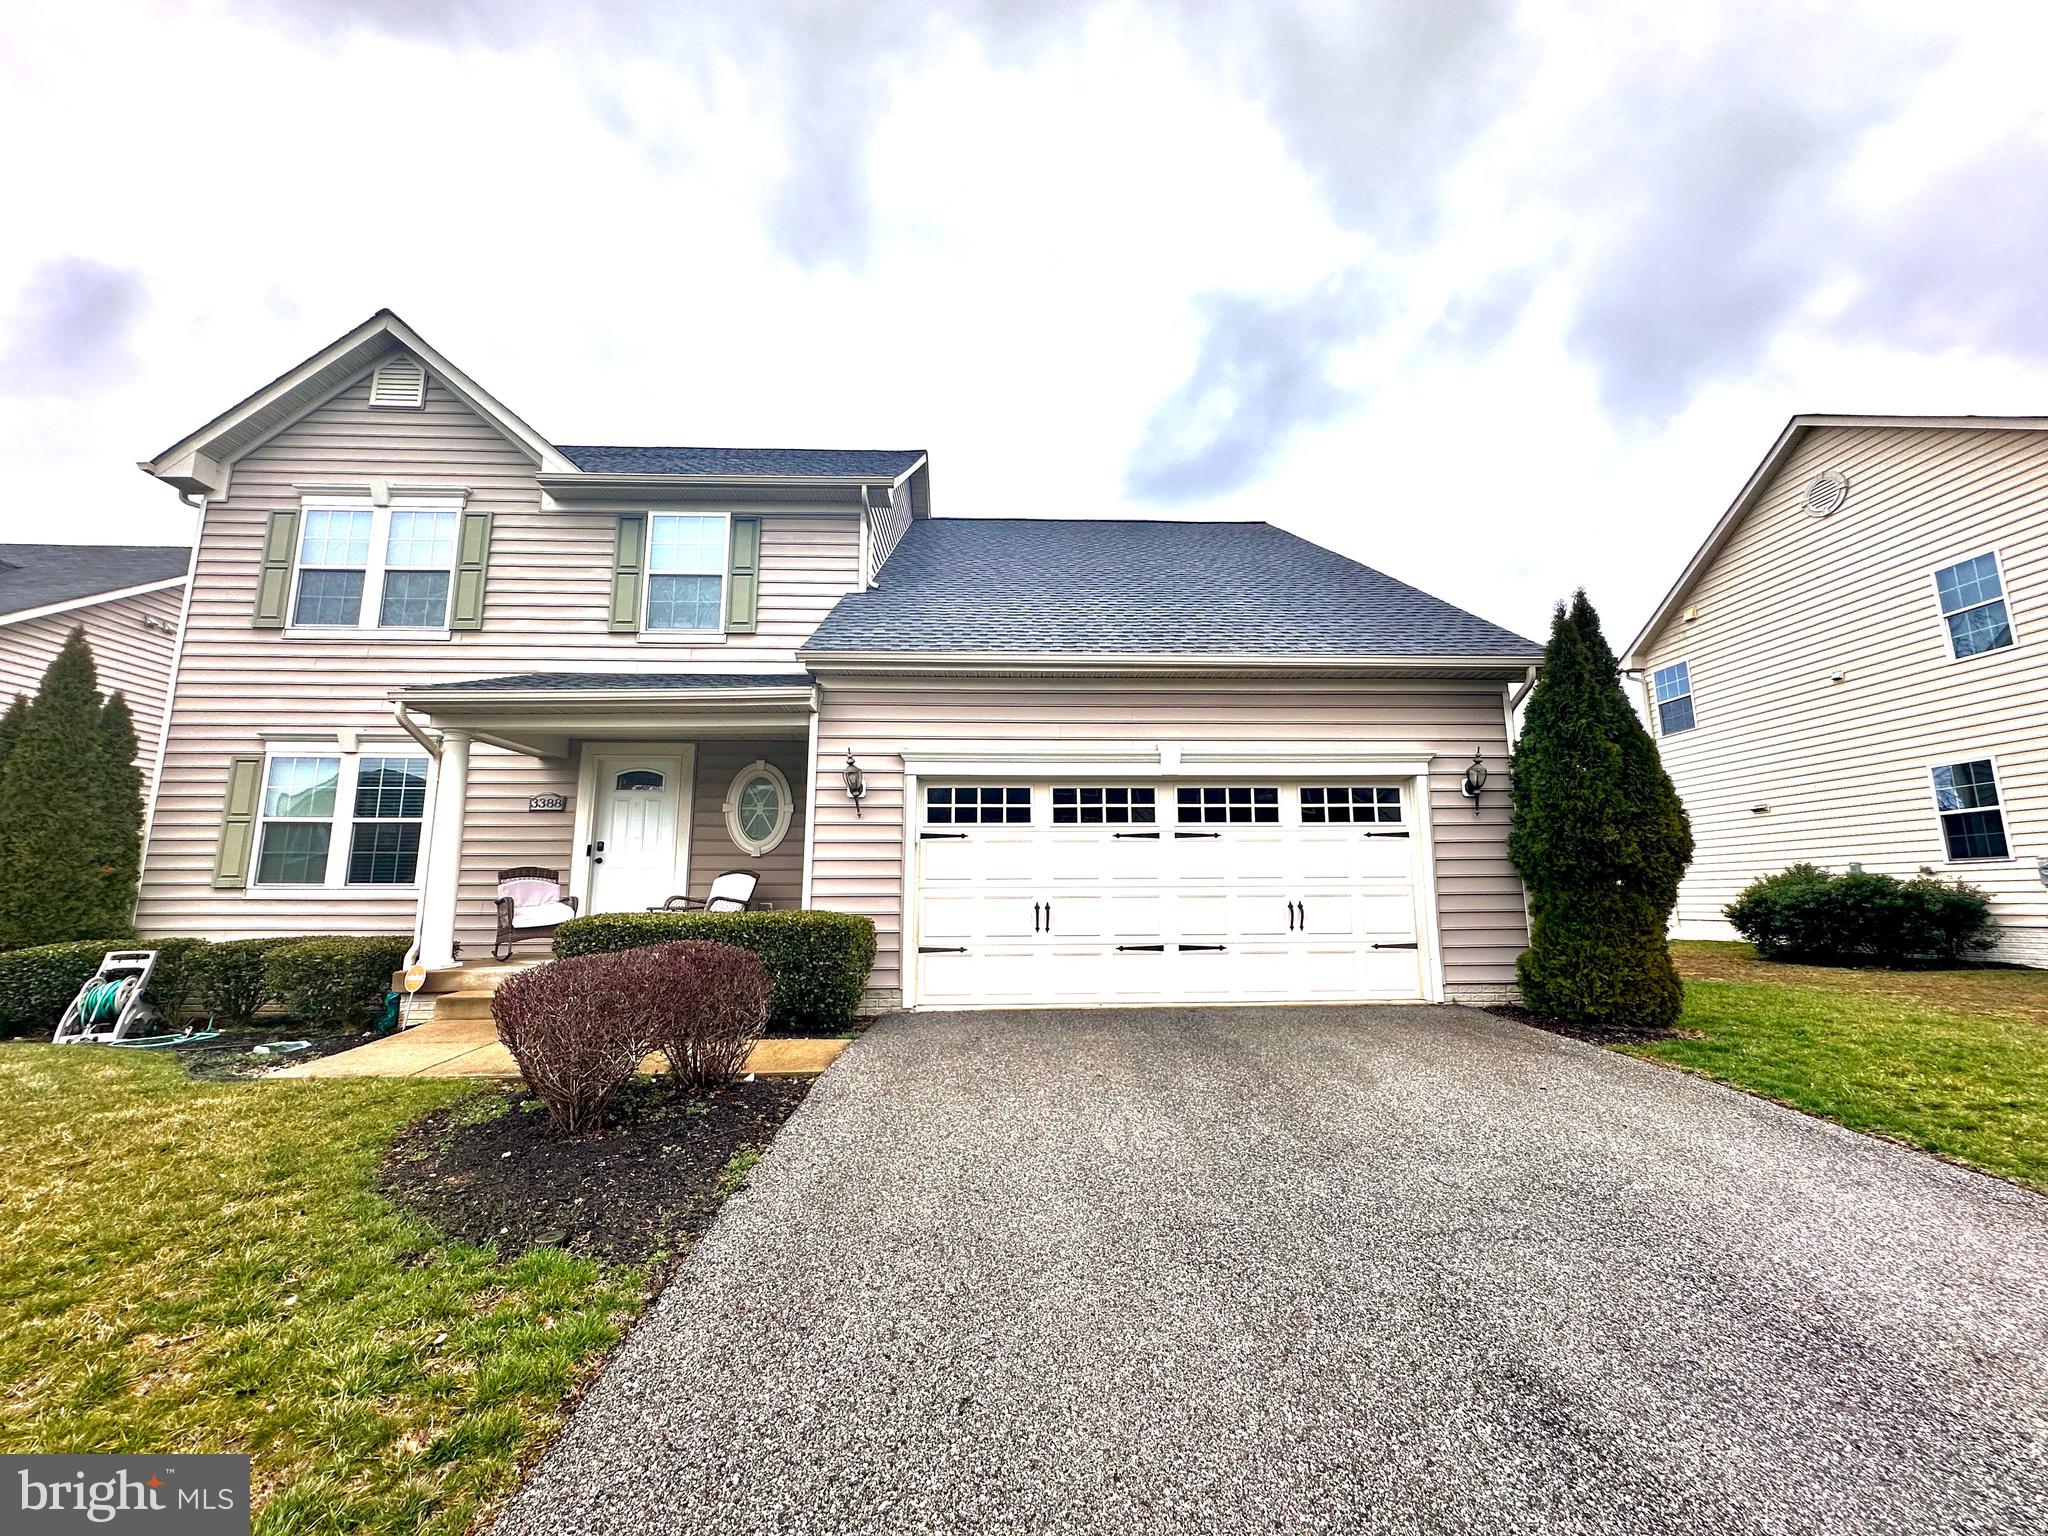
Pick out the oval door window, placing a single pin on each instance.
(758, 808)
(638, 778)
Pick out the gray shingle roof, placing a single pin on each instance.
(37, 575)
(568, 682)
(1046, 586)
(741, 463)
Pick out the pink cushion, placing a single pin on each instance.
(530, 893)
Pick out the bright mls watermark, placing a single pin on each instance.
(164, 1495)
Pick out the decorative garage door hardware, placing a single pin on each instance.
(1149, 949)
(942, 949)
(1409, 945)
(940, 836)
(1179, 835)
(1186, 948)
(1386, 834)
(1035, 918)
(1297, 916)
(1153, 835)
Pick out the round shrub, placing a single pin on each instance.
(577, 1029)
(1805, 913)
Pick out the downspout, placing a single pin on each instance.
(403, 717)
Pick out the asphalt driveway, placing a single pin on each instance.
(1401, 1270)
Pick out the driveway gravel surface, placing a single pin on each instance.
(1320, 1269)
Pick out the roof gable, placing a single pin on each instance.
(1073, 588)
(42, 578)
(199, 464)
(1765, 475)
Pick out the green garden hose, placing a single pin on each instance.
(102, 1002)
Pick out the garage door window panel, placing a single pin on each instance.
(1228, 804)
(1350, 804)
(1092, 805)
(961, 805)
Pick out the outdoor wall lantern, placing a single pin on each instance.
(856, 781)
(1475, 780)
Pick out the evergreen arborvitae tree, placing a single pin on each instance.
(1600, 838)
(53, 801)
(10, 728)
(120, 851)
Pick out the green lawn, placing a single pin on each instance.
(208, 1267)
(1954, 1062)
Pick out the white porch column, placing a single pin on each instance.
(444, 853)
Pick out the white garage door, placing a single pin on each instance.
(1053, 892)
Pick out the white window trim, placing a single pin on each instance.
(784, 817)
(648, 573)
(374, 568)
(1941, 617)
(1656, 705)
(1950, 760)
(342, 820)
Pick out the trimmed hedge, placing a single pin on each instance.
(231, 985)
(36, 984)
(1805, 913)
(338, 982)
(818, 961)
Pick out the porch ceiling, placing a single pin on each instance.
(546, 714)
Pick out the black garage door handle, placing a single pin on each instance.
(1198, 834)
(1396, 946)
(1135, 834)
(1150, 949)
(942, 949)
(926, 837)
(1185, 947)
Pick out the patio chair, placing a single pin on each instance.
(530, 906)
(732, 891)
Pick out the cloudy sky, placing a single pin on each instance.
(1500, 298)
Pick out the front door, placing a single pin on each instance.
(642, 807)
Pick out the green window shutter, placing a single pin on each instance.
(274, 586)
(629, 570)
(472, 557)
(238, 822)
(743, 576)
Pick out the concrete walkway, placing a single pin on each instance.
(468, 1047)
(1320, 1270)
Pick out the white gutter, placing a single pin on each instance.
(424, 699)
(1200, 661)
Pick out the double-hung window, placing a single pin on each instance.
(1672, 689)
(1966, 796)
(686, 564)
(362, 566)
(1973, 606)
(335, 818)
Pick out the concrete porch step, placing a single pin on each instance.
(471, 976)
(470, 1003)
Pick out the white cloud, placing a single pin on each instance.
(1608, 251)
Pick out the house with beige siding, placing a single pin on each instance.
(1056, 761)
(1853, 669)
(126, 597)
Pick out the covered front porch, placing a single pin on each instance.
(632, 787)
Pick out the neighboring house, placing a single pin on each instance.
(1103, 761)
(126, 598)
(1853, 670)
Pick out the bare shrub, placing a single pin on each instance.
(714, 1009)
(578, 1030)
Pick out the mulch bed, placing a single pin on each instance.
(490, 1171)
(1593, 1033)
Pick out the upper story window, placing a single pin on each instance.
(1671, 687)
(686, 571)
(376, 800)
(1973, 606)
(1966, 796)
(367, 567)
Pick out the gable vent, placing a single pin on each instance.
(398, 385)
(1827, 493)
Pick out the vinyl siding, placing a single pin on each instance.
(131, 659)
(886, 530)
(858, 860)
(1791, 600)
(546, 603)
